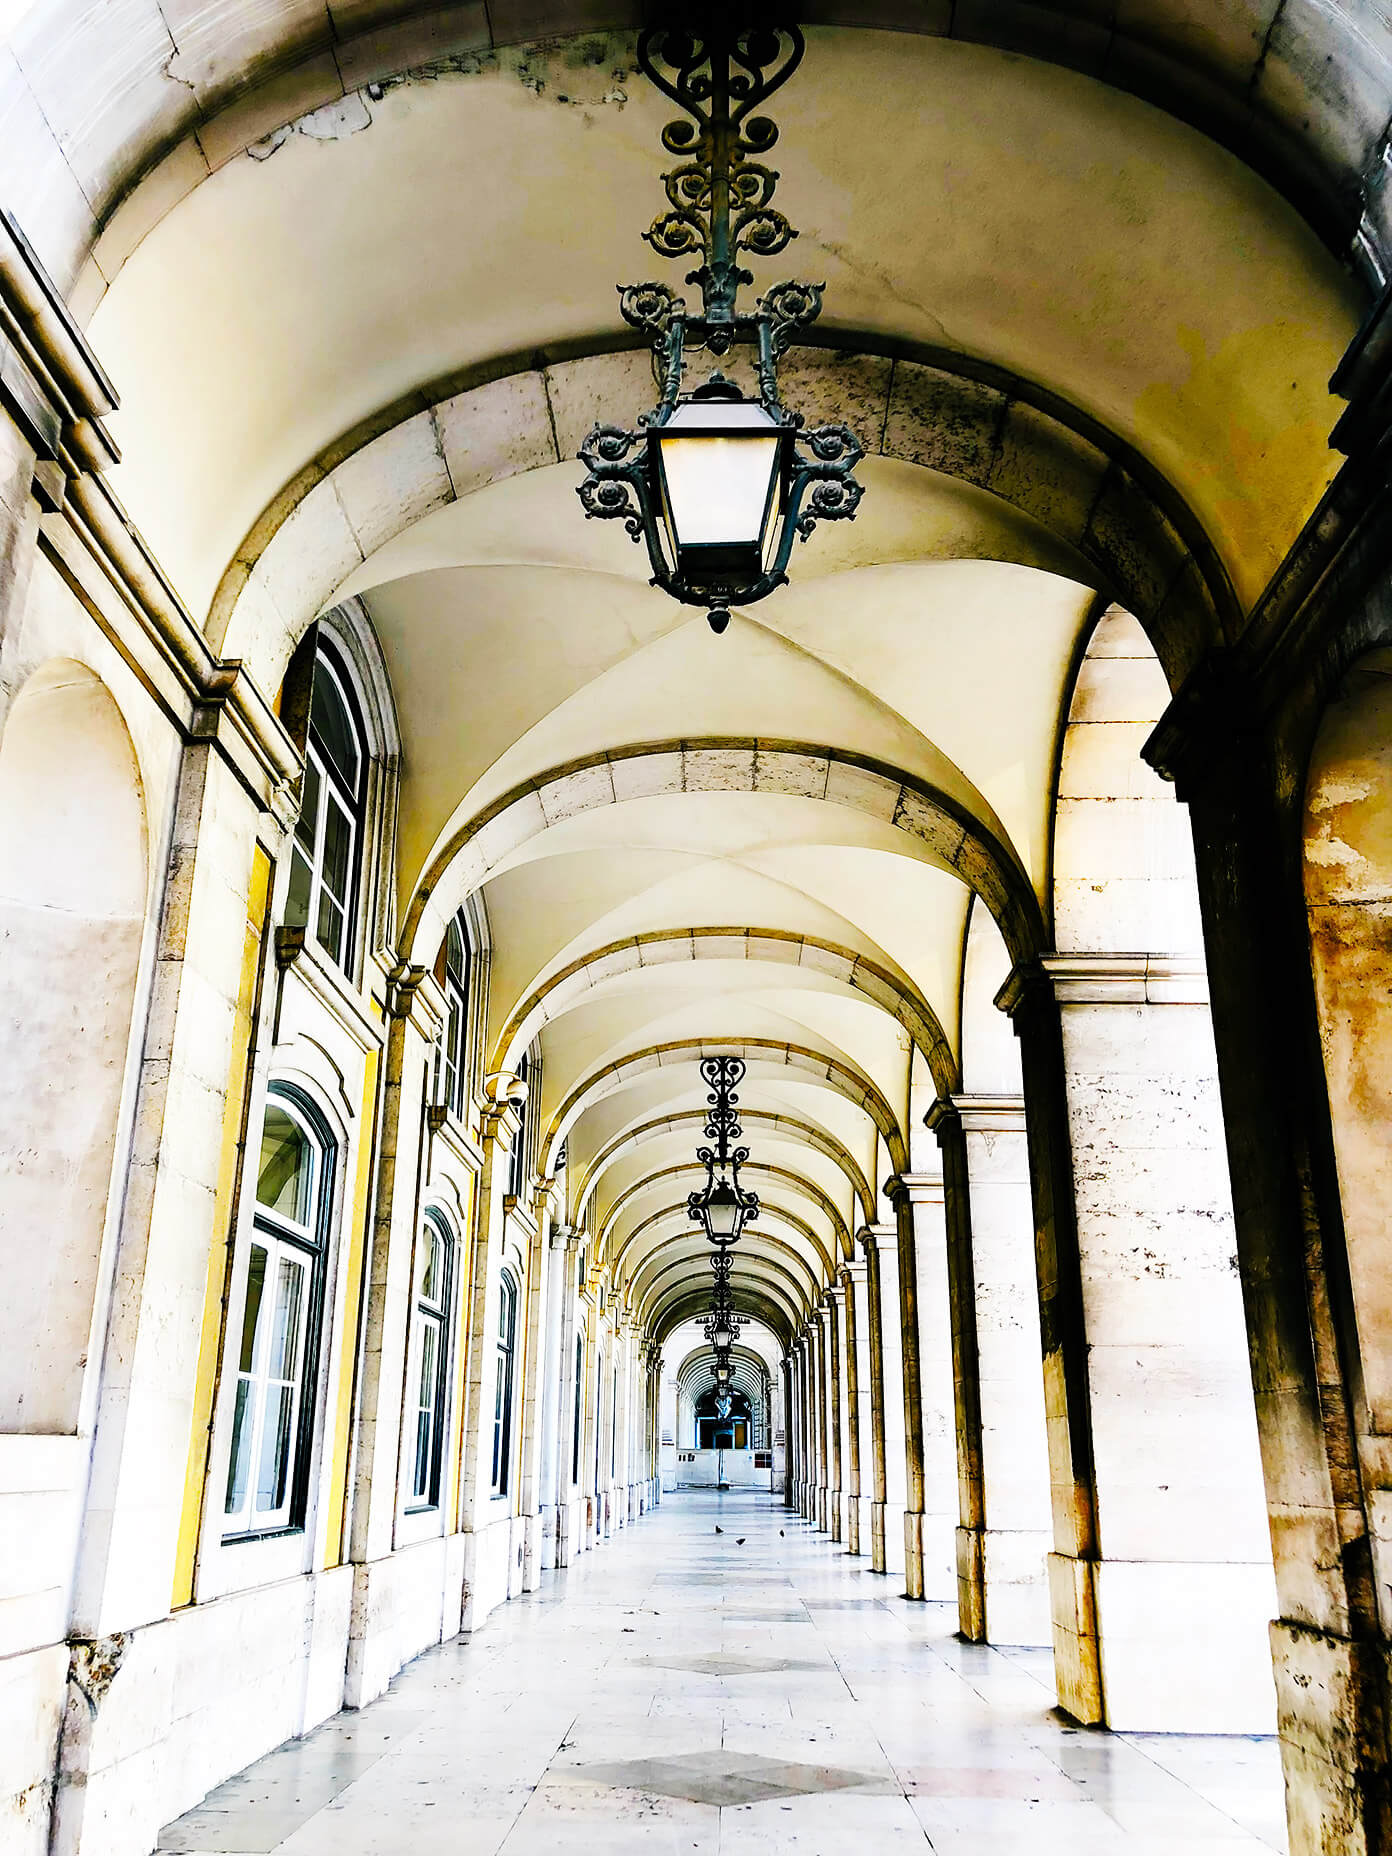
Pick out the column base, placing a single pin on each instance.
(531, 1528)
(561, 1520)
(854, 1508)
(821, 1509)
(913, 1554)
(971, 1585)
(1077, 1653)
(834, 1512)
(1331, 1705)
(877, 1538)
(547, 1539)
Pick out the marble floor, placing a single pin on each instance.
(743, 1692)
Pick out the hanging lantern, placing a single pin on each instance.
(718, 483)
(722, 1207)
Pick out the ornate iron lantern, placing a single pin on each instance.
(722, 1206)
(718, 484)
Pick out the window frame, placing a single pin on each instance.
(504, 1385)
(452, 1076)
(435, 1314)
(579, 1416)
(330, 782)
(278, 1235)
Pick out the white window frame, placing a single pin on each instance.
(330, 787)
(288, 1242)
(430, 1320)
(504, 1385)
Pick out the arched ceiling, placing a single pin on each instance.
(1062, 231)
(1083, 307)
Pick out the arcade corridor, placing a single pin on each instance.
(683, 1692)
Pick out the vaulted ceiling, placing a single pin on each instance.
(352, 269)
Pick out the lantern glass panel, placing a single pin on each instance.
(720, 480)
(722, 1212)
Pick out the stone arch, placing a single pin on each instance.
(814, 1137)
(750, 1170)
(685, 1233)
(903, 1002)
(765, 1267)
(73, 888)
(683, 1304)
(929, 406)
(842, 1077)
(1348, 895)
(924, 812)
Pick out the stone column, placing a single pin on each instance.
(857, 1355)
(568, 1297)
(896, 1450)
(817, 1367)
(869, 1244)
(1028, 998)
(531, 1487)
(906, 1259)
(946, 1123)
(807, 1483)
(1183, 1575)
(1013, 1544)
(831, 1324)
(786, 1367)
(589, 1439)
(502, 1125)
(923, 1196)
(552, 1394)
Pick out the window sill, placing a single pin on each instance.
(297, 952)
(250, 1538)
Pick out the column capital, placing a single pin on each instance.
(561, 1232)
(851, 1273)
(1026, 987)
(991, 1114)
(875, 1237)
(1127, 979)
(917, 1188)
(835, 1292)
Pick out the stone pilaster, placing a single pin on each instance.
(946, 1123)
(832, 1316)
(852, 1277)
(870, 1244)
(930, 1537)
(502, 1125)
(1028, 998)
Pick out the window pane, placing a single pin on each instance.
(329, 929)
(285, 1177)
(332, 726)
(420, 1486)
(301, 881)
(240, 1460)
(429, 1336)
(454, 951)
(338, 840)
(256, 1282)
(285, 1331)
(430, 1263)
(273, 1473)
(307, 825)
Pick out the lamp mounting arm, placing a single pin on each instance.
(720, 197)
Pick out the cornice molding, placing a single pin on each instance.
(1127, 979)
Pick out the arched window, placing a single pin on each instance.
(502, 1385)
(429, 1378)
(326, 849)
(579, 1407)
(272, 1413)
(453, 973)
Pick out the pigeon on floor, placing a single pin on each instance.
(720, 1530)
(780, 1533)
(740, 1542)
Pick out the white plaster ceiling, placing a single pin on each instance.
(256, 307)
